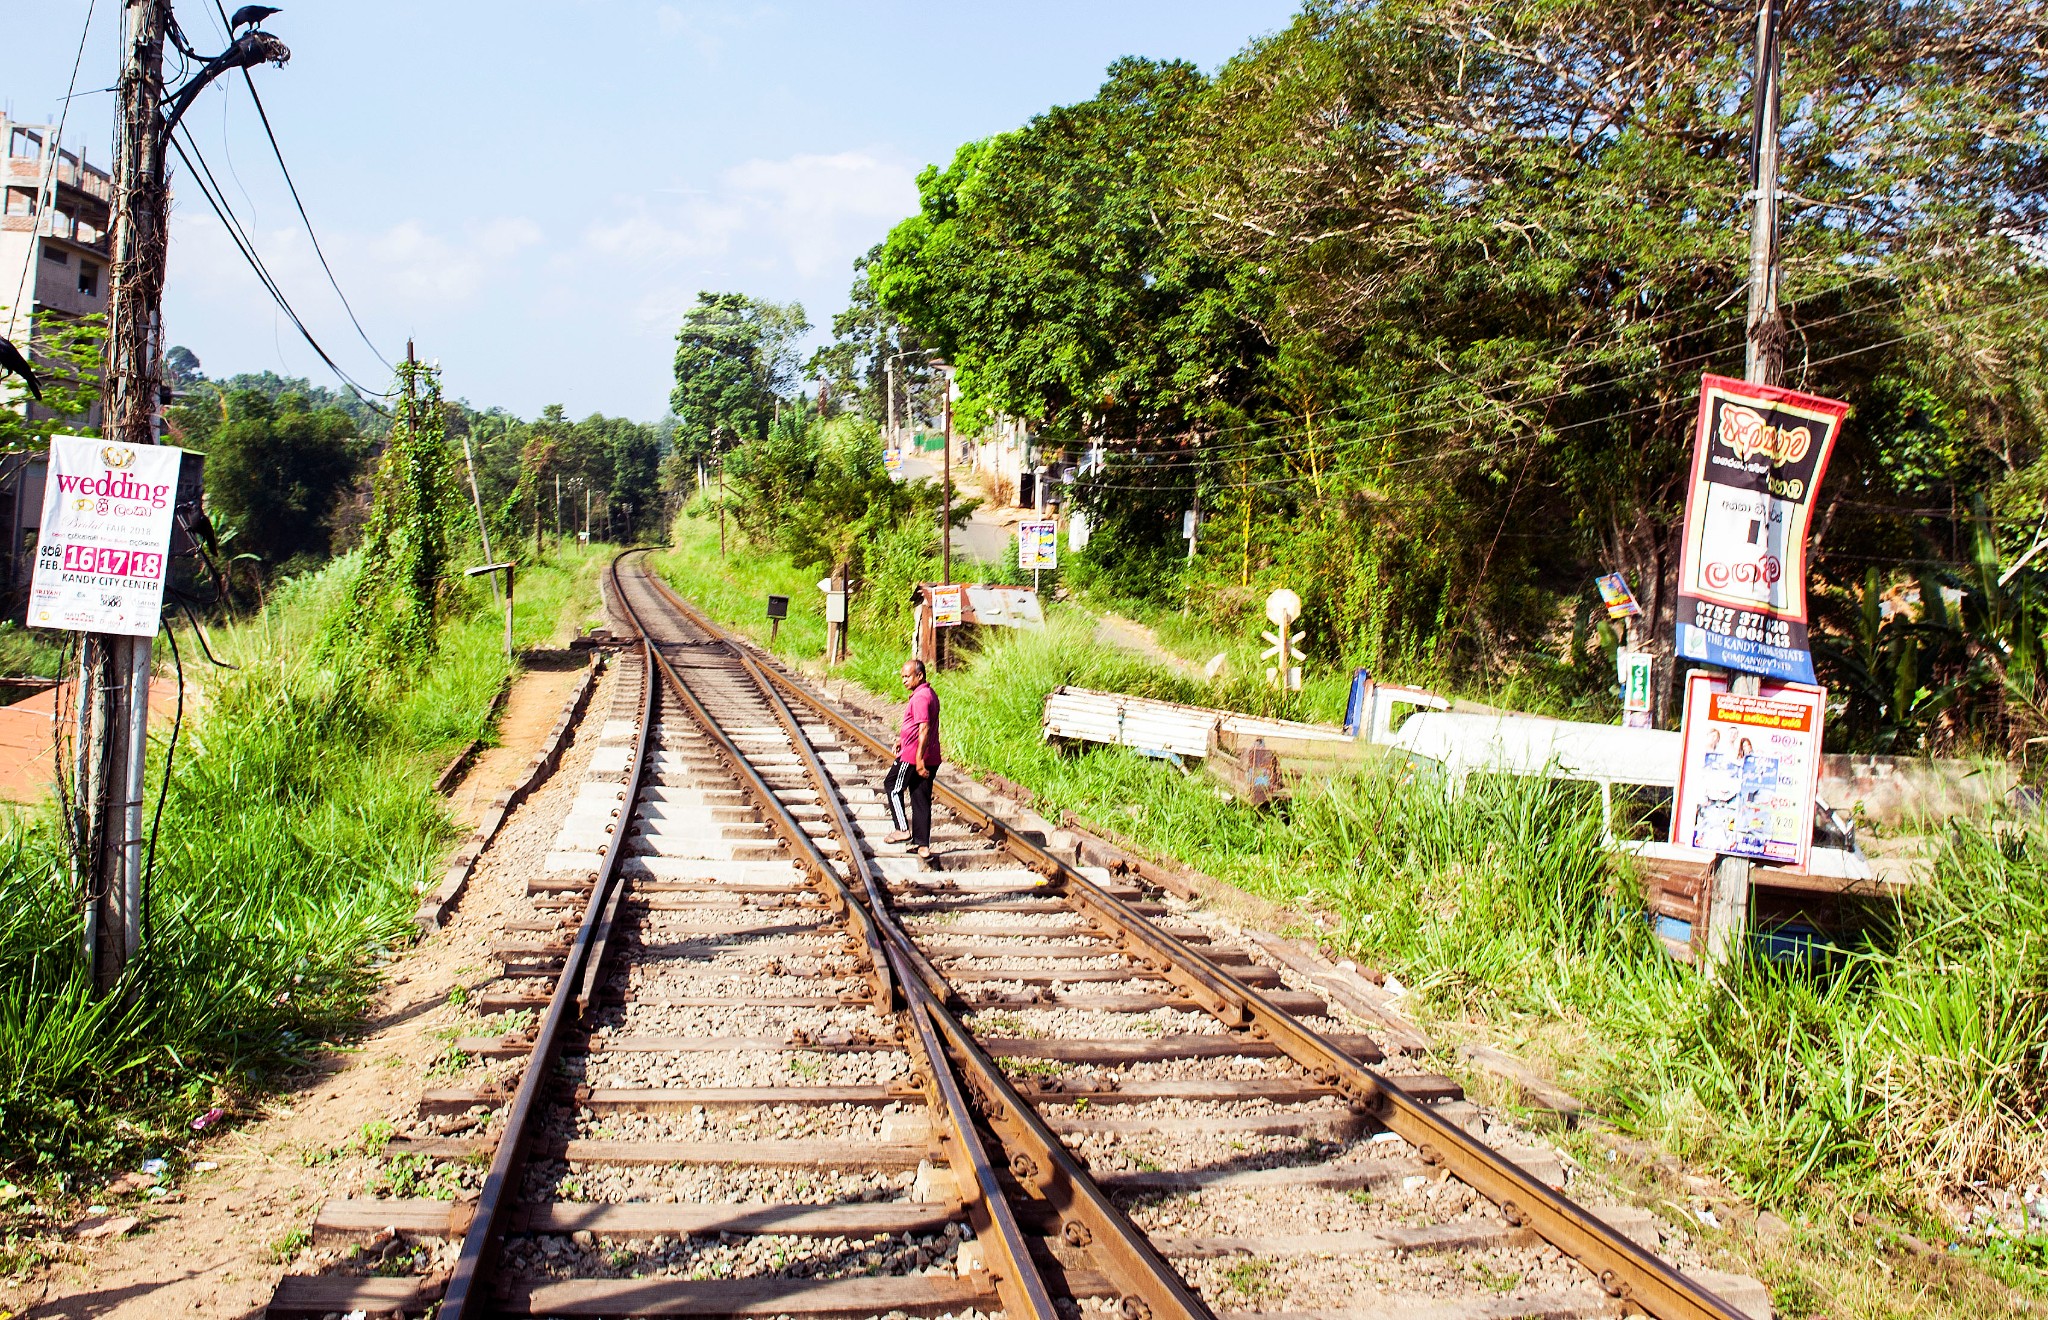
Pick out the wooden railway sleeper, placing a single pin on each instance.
(1145, 1277)
(1652, 1283)
(1018, 1284)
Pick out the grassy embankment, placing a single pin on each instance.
(300, 826)
(1891, 1077)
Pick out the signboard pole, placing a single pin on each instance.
(112, 733)
(1728, 904)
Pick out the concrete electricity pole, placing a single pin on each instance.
(1764, 362)
(113, 688)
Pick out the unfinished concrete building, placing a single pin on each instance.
(56, 212)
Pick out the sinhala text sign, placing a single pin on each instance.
(1751, 769)
(106, 536)
(1038, 546)
(1758, 455)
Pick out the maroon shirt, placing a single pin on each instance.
(923, 709)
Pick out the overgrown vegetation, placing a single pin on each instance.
(396, 588)
(1411, 302)
(300, 827)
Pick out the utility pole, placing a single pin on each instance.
(1763, 364)
(113, 701)
(946, 506)
(482, 531)
(1764, 361)
(889, 369)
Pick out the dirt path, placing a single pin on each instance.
(217, 1244)
(530, 711)
(1130, 635)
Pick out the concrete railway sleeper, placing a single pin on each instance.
(781, 1067)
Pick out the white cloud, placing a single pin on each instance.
(404, 266)
(805, 215)
(707, 27)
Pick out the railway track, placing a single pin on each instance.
(752, 1060)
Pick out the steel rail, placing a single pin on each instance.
(1624, 1269)
(1040, 1162)
(1018, 1283)
(468, 1295)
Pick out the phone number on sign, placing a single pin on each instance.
(100, 561)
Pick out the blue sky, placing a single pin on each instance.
(535, 191)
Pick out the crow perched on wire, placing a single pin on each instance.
(11, 361)
(250, 16)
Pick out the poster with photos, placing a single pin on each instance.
(1750, 771)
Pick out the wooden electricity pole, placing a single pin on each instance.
(112, 728)
(946, 504)
(1763, 364)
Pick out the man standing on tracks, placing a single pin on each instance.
(909, 785)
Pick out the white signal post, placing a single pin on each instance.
(1283, 607)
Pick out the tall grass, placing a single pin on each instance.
(1894, 1071)
(299, 829)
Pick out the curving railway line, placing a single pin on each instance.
(759, 1062)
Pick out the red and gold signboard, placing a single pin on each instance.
(1759, 453)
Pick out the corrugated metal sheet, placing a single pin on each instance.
(1163, 726)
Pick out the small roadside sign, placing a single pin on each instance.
(892, 460)
(1614, 593)
(946, 607)
(778, 607)
(1634, 670)
(1038, 545)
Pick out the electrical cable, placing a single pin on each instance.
(1655, 318)
(163, 787)
(1198, 462)
(208, 187)
(1220, 455)
(199, 631)
(291, 184)
(45, 191)
(317, 250)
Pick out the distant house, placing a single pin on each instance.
(56, 212)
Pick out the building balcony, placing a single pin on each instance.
(71, 175)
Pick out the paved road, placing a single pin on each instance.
(988, 531)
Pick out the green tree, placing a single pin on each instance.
(67, 353)
(736, 356)
(275, 472)
(1053, 266)
(816, 490)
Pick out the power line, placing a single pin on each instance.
(292, 184)
(1207, 459)
(46, 192)
(335, 284)
(209, 188)
(1280, 482)
(1220, 455)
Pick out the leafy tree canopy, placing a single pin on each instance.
(735, 357)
